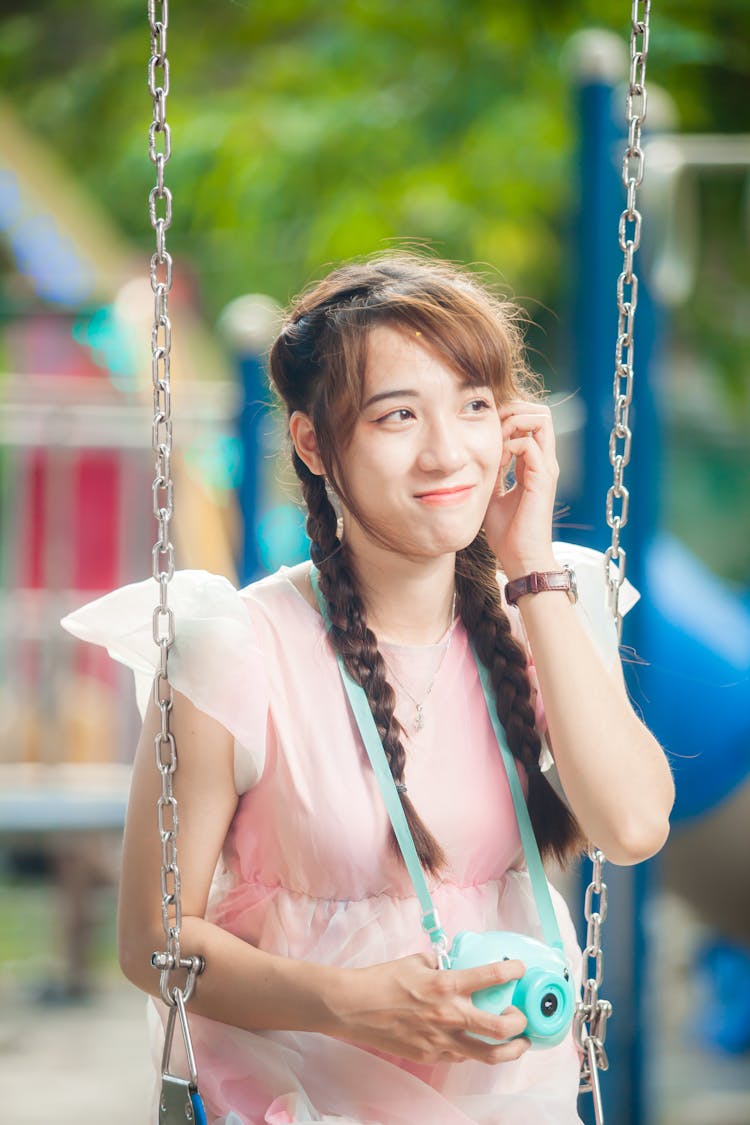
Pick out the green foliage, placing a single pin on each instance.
(305, 132)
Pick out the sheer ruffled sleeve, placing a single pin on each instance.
(214, 661)
(593, 609)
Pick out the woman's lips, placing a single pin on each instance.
(443, 496)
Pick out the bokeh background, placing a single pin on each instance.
(304, 134)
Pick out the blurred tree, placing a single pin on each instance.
(305, 133)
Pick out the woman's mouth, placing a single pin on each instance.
(443, 496)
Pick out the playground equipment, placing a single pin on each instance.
(73, 442)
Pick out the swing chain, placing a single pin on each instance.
(592, 1010)
(163, 630)
(620, 438)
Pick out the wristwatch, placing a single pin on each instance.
(539, 581)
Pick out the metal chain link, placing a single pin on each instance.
(620, 438)
(592, 1012)
(160, 198)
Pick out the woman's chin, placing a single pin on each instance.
(450, 540)
(452, 544)
(415, 541)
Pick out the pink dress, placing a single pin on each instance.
(306, 870)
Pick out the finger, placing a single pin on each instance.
(535, 417)
(493, 1053)
(540, 427)
(539, 416)
(467, 981)
(505, 1026)
(527, 424)
(532, 463)
(505, 1052)
(527, 449)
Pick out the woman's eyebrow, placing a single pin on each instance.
(390, 394)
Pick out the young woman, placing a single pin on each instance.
(408, 400)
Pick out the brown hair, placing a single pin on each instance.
(317, 365)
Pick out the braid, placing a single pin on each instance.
(555, 827)
(358, 646)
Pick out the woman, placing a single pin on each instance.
(408, 402)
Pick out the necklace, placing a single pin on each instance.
(419, 704)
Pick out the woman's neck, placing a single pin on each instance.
(407, 600)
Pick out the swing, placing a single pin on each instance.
(180, 1100)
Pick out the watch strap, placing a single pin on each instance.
(538, 582)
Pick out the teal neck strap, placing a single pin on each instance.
(375, 752)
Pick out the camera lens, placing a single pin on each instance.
(549, 1004)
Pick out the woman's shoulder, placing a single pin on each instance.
(284, 598)
(284, 583)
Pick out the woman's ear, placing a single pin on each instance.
(305, 442)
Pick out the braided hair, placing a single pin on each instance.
(317, 366)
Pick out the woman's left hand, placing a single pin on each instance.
(518, 523)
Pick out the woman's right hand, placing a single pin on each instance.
(411, 1009)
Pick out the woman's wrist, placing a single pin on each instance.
(514, 568)
(343, 1000)
(326, 990)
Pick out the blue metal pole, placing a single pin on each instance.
(252, 425)
(599, 262)
(272, 531)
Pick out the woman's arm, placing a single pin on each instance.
(405, 1007)
(614, 773)
(241, 985)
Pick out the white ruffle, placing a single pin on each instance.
(215, 660)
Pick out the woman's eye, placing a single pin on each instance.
(402, 415)
(477, 405)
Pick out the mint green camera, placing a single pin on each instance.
(544, 994)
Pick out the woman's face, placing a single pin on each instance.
(425, 452)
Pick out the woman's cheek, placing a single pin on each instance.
(496, 457)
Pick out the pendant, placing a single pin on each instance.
(419, 721)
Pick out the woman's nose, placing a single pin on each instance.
(442, 448)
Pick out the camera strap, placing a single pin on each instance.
(373, 745)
